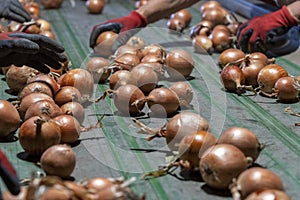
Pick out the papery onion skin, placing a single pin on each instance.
(67, 94)
(232, 78)
(268, 76)
(119, 78)
(47, 79)
(145, 78)
(221, 38)
(183, 14)
(202, 44)
(244, 139)
(192, 147)
(184, 92)
(221, 163)
(98, 67)
(183, 123)
(9, 118)
(268, 194)
(70, 128)
(58, 160)
(105, 42)
(126, 61)
(37, 134)
(257, 178)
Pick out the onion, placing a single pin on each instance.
(268, 194)
(126, 61)
(80, 79)
(136, 42)
(183, 14)
(97, 184)
(204, 27)
(157, 67)
(43, 24)
(16, 77)
(95, 6)
(47, 79)
(209, 4)
(37, 134)
(161, 101)
(221, 38)
(233, 27)
(33, 87)
(124, 98)
(75, 109)
(119, 78)
(242, 138)
(191, 147)
(202, 44)
(32, 8)
(231, 56)
(233, 78)
(268, 76)
(179, 63)
(49, 34)
(105, 42)
(145, 78)
(51, 4)
(255, 179)
(285, 90)
(221, 163)
(70, 128)
(180, 125)
(29, 100)
(43, 107)
(152, 58)
(217, 15)
(56, 192)
(98, 67)
(67, 94)
(176, 24)
(155, 49)
(58, 160)
(184, 92)
(127, 48)
(9, 118)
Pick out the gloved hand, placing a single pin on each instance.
(33, 50)
(9, 175)
(254, 34)
(118, 25)
(13, 10)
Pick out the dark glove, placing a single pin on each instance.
(13, 10)
(132, 21)
(33, 50)
(254, 34)
(9, 175)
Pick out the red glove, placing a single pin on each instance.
(256, 33)
(132, 21)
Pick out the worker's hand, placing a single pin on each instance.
(13, 10)
(255, 34)
(33, 50)
(132, 21)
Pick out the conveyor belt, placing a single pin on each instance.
(118, 150)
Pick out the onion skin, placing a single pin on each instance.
(221, 38)
(119, 78)
(182, 124)
(268, 194)
(202, 44)
(43, 107)
(268, 76)
(176, 24)
(242, 138)
(9, 118)
(67, 94)
(70, 128)
(47, 79)
(191, 147)
(183, 14)
(285, 90)
(255, 179)
(37, 134)
(126, 61)
(58, 160)
(221, 163)
(179, 63)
